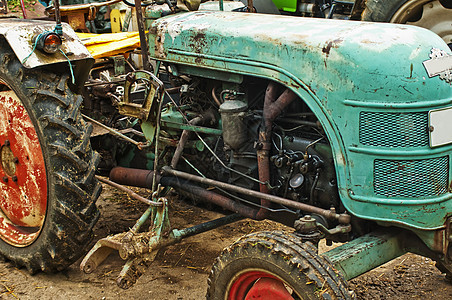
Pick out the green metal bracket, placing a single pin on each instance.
(119, 64)
(193, 128)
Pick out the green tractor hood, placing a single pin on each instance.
(367, 84)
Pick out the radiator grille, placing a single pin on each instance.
(411, 178)
(393, 129)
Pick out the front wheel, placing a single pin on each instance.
(435, 15)
(274, 265)
(47, 184)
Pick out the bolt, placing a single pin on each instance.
(5, 179)
(16, 160)
(7, 143)
(14, 178)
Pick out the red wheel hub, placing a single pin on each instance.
(258, 285)
(23, 181)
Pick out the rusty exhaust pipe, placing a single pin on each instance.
(143, 178)
(198, 193)
(272, 109)
(133, 177)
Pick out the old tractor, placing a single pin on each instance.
(337, 129)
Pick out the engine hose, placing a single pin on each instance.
(314, 184)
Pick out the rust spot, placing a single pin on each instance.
(271, 39)
(299, 39)
(327, 48)
(198, 43)
(366, 41)
(331, 44)
(153, 30)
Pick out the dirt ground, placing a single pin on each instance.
(180, 272)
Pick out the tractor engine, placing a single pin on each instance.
(301, 162)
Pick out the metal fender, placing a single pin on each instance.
(19, 34)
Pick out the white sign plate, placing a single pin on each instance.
(440, 63)
(440, 126)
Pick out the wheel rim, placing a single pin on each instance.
(259, 284)
(427, 14)
(23, 181)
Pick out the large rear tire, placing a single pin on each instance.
(274, 265)
(435, 15)
(47, 185)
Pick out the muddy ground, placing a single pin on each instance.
(181, 271)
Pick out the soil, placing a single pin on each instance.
(180, 271)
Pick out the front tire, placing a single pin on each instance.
(274, 265)
(47, 185)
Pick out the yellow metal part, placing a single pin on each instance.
(110, 44)
(116, 19)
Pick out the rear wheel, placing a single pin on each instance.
(435, 15)
(274, 265)
(47, 184)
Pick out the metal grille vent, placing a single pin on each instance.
(393, 129)
(411, 178)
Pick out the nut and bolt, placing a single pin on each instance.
(14, 178)
(5, 179)
(7, 143)
(16, 160)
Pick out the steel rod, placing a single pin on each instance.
(200, 228)
(129, 192)
(143, 41)
(113, 131)
(342, 218)
(104, 83)
(24, 12)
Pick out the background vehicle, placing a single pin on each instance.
(337, 129)
(434, 15)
